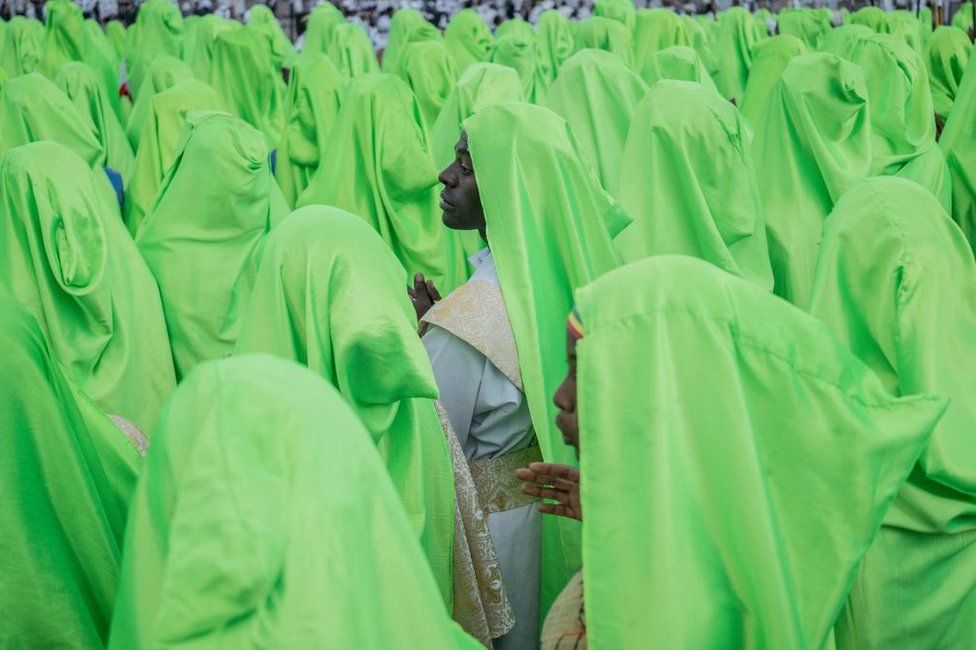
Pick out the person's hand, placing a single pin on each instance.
(423, 294)
(559, 483)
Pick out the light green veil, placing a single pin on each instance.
(556, 41)
(352, 51)
(158, 30)
(874, 18)
(323, 20)
(622, 11)
(897, 283)
(946, 56)
(677, 62)
(687, 180)
(428, 70)
(115, 32)
(808, 25)
(198, 50)
(407, 26)
(23, 46)
(735, 37)
(262, 21)
(959, 144)
(656, 30)
(515, 27)
(330, 295)
(813, 143)
(840, 41)
(963, 18)
(164, 73)
(769, 59)
(763, 480)
(468, 39)
(263, 519)
(605, 34)
(203, 236)
(527, 58)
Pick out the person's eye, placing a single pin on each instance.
(466, 171)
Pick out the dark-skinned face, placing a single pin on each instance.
(565, 399)
(460, 200)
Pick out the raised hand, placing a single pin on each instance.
(554, 483)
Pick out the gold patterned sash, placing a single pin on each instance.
(500, 490)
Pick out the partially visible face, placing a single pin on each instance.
(460, 200)
(565, 399)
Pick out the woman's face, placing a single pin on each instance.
(565, 399)
(460, 200)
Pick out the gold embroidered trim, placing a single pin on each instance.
(500, 490)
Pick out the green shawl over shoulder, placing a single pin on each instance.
(204, 234)
(556, 41)
(23, 46)
(329, 295)
(757, 516)
(428, 70)
(352, 51)
(959, 144)
(67, 256)
(813, 143)
(550, 226)
(687, 180)
(679, 63)
(66, 478)
(263, 519)
(947, 56)
(897, 284)
(769, 59)
(656, 30)
(468, 39)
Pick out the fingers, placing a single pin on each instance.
(432, 291)
(419, 284)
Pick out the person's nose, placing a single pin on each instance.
(447, 178)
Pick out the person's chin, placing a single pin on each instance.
(449, 218)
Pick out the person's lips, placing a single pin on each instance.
(445, 204)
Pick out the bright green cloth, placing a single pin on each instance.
(527, 58)
(550, 226)
(902, 116)
(687, 179)
(905, 25)
(813, 142)
(158, 30)
(263, 519)
(959, 144)
(763, 480)
(198, 49)
(352, 51)
(323, 20)
(963, 18)
(262, 21)
(245, 79)
(164, 73)
(769, 58)
(896, 283)
(656, 30)
(515, 27)
(467, 38)
(428, 70)
(702, 43)
(68, 258)
(203, 236)
(808, 25)
(161, 133)
(115, 33)
(311, 107)
(874, 18)
(556, 41)
(605, 34)
(736, 36)
(23, 46)
(596, 93)
(89, 98)
(946, 56)
(342, 311)
(64, 506)
(622, 11)
(407, 26)
(679, 63)
(380, 168)
(840, 41)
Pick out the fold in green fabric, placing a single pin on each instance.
(380, 168)
(550, 226)
(467, 38)
(946, 56)
(527, 58)
(556, 40)
(161, 133)
(158, 30)
(67, 474)
(622, 11)
(68, 258)
(808, 25)
(769, 59)
(905, 25)
(198, 49)
(897, 283)
(262, 21)
(963, 18)
(164, 73)
(311, 107)
(515, 27)
(959, 144)
(352, 51)
(605, 34)
(238, 536)
(679, 63)
(874, 18)
(323, 20)
(840, 41)
(597, 93)
(656, 30)
(407, 26)
(203, 240)
(768, 514)
(428, 70)
(813, 143)
(683, 202)
(736, 35)
(342, 311)
(115, 33)
(23, 46)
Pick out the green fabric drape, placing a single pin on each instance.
(262, 21)
(963, 18)
(556, 41)
(902, 116)
(679, 63)
(735, 38)
(597, 93)
(812, 144)
(550, 226)
(161, 133)
(342, 311)
(467, 38)
(164, 73)
(158, 30)
(767, 514)
(245, 79)
(683, 202)
(515, 27)
(428, 70)
(905, 25)
(311, 107)
(808, 25)
(23, 46)
(262, 519)
(959, 144)
(380, 169)
(87, 95)
(198, 50)
(116, 34)
(407, 26)
(840, 41)
(203, 236)
(946, 56)
(896, 282)
(656, 30)
(323, 20)
(622, 11)
(605, 34)
(66, 478)
(874, 18)
(67, 256)
(527, 58)
(769, 58)
(702, 43)
(352, 51)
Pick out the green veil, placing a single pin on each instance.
(550, 226)
(428, 70)
(63, 515)
(329, 295)
(735, 37)
(311, 106)
(262, 21)
(840, 41)
(116, 34)
(249, 525)
(467, 38)
(203, 240)
(605, 34)
(198, 50)
(67, 256)
(687, 179)
(769, 59)
(515, 27)
(323, 20)
(622, 11)
(656, 30)
(905, 25)
(963, 18)
(959, 144)
(407, 26)
(352, 51)
(23, 46)
(808, 25)
(380, 169)
(813, 143)
(164, 73)
(679, 63)
(158, 30)
(556, 40)
(766, 514)
(897, 283)
(874, 18)
(946, 56)
(596, 93)
(527, 58)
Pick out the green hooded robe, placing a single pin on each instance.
(808, 25)
(946, 56)
(158, 30)
(557, 41)
(656, 30)
(840, 41)
(198, 50)
(735, 38)
(468, 39)
(623, 11)
(325, 17)
(116, 34)
(515, 27)
(959, 144)
(527, 58)
(164, 73)
(23, 47)
(605, 34)
(679, 63)
(352, 51)
(769, 59)
(963, 17)
(407, 26)
(263, 23)
(874, 18)
(428, 70)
